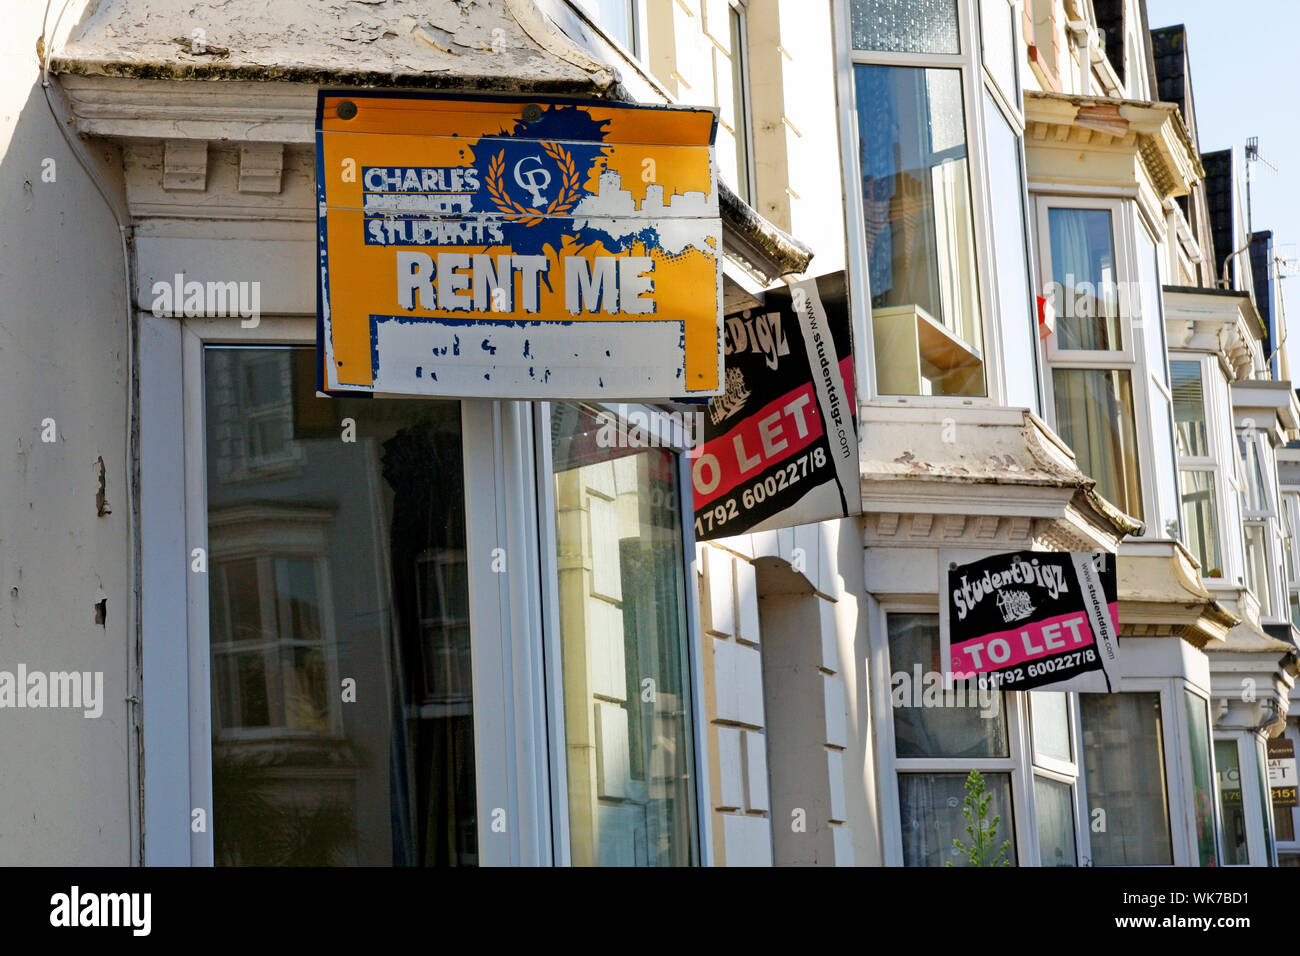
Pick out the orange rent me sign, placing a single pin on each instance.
(517, 248)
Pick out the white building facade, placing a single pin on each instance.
(461, 632)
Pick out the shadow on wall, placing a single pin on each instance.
(63, 386)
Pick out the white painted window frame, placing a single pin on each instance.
(552, 659)
(1217, 436)
(973, 86)
(745, 148)
(1018, 763)
(1010, 101)
(1131, 357)
(511, 771)
(1177, 761)
(1251, 805)
(1269, 516)
(636, 48)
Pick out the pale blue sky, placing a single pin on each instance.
(1246, 81)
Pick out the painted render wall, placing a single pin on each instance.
(791, 766)
(65, 792)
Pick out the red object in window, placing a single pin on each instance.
(1046, 317)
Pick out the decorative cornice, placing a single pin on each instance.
(1212, 320)
(1161, 595)
(189, 116)
(1153, 133)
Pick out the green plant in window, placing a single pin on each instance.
(982, 831)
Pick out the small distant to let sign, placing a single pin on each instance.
(1282, 779)
(517, 248)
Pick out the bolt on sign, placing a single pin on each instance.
(1034, 619)
(517, 248)
(780, 445)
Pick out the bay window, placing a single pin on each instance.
(1260, 521)
(1199, 469)
(737, 113)
(928, 240)
(937, 745)
(1291, 520)
(335, 563)
(351, 597)
(926, 320)
(1111, 386)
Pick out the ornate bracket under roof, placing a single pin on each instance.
(1219, 321)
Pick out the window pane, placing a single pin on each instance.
(1164, 463)
(1053, 802)
(1189, 409)
(1123, 758)
(1235, 852)
(931, 808)
(1151, 318)
(315, 564)
(1083, 270)
(997, 40)
(1019, 313)
(1253, 497)
(1265, 798)
(1201, 521)
(908, 26)
(615, 17)
(1257, 567)
(622, 622)
(1288, 544)
(739, 105)
(929, 721)
(1295, 608)
(1051, 722)
(1198, 741)
(1094, 415)
(919, 230)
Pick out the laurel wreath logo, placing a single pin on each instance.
(528, 215)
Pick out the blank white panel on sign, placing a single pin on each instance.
(526, 359)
